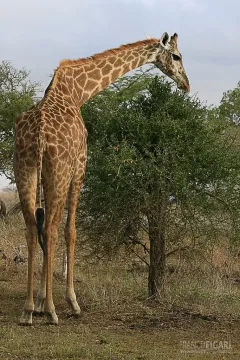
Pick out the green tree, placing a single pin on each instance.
(229, 113)
(17, 94)
(230, 105)
(158, 164)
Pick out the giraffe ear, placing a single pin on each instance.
(164, 39)
(173, 40)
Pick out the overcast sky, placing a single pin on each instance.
(37, 34)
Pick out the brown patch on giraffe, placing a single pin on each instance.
(112, 59)
(101, 63)
(126, 68)
(70, 81)
(30, 162)
(115, 74)
(130, 57)
(64, 88)
(61, 136)
(68, 98)
(28, 138)
(71, 111)
(91, 84)
(106, 69)
(20, 142)
(63, 155)
(95, 74)
(84, 97)
(78, 72)
(104, 82)
(75, 94)
(135, 63)
(50, 138)
(106, 53)
(118, 63)
(52, 150)
(74, 132)
(89, 66)
(61, 149)
(135, 53)
(69, 121)
(61, 107)
(81, 79)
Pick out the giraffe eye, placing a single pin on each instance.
(176, 57)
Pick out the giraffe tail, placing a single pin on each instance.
(39, 214)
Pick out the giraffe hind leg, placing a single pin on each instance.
(70, 238)
(46, 303)
(27, 199)
(53, 219)
(41, 295)
(31, 236)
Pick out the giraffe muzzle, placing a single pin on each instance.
(185, 86)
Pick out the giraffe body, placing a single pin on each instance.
(62, 140)
(51, 150)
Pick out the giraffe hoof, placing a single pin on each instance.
(52, 318)
(73, 307)
(38, 313)
(73, 315)
(26, 318)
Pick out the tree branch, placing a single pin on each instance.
(135, 253)
(178, 249)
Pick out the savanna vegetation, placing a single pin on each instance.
(157, 259)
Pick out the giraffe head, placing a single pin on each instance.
(169, 60)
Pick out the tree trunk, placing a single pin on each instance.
(156, 223)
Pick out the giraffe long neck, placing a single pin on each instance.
(79, 80)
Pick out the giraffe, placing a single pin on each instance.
(51, 149)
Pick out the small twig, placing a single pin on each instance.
(135, 253)
(138, 242)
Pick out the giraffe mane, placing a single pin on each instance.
(106, 53)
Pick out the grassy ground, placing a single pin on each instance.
(115, 323)
(197, 318)
(118, 321)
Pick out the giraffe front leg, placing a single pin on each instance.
(70, 237)
(26, 317)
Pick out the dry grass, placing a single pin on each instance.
(201, 303)
(9, 197)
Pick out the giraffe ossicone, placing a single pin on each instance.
(50, 152)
